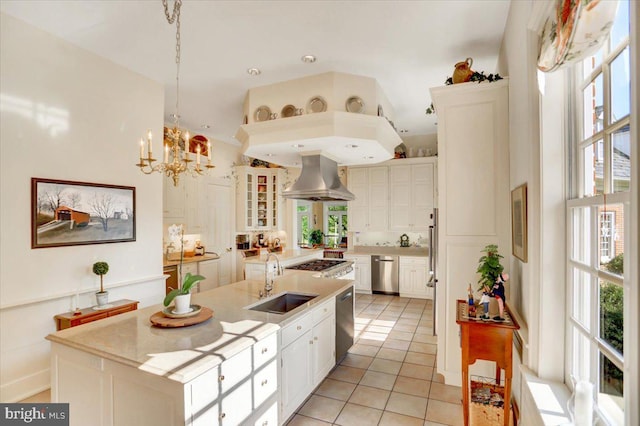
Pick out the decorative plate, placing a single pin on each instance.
(355, 104)
(195, 310)
(380, 111)
(288, 111)
(263, 113)
(316, 104)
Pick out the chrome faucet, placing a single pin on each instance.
(268, 281)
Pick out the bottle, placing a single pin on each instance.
(199, 250)
(472, 304)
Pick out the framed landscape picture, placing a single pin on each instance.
(519, 222)
(66, 213)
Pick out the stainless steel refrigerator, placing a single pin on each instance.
(433, 263)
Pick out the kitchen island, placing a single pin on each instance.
(122, 370)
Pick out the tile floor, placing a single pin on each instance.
(389, 376)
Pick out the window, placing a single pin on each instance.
(336, 223)
(303, 222)
(598, 212)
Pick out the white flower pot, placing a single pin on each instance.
(102, 297)
(182, 303)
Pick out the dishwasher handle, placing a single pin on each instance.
(383, 260)
(346, 296)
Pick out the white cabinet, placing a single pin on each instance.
(370, 209)
(307, 356)
(362, 272)
(209, 270)
(185, 203)
(412, 193)
(259, 205)
(414, 275)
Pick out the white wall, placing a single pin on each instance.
(67, 114)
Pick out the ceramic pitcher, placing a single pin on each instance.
(463, 71)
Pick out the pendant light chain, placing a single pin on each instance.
(175, 17)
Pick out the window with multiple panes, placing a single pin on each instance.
(336, 222)
(598, 217)
(303, 209)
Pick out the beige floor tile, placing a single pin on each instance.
(389, 316)
(425, 348)
(378, 380)
(416, 371)
(401, 335)
(426, 338)
(392, 354)
(369, 342)
(370, 397)
(394, 308)
(412, 386)
(367, 315)
(383, 323)
(395, 419)
(381, 337)
(408, 321)
(408, 405)
(366, 350)
(436, 377)
(413, 309)
(357, 361)
(423, 329)
(444, 412)
(322, 408)
(335, 389)
(353, 414)
(379, 329)
(299, 420)
(347, 374)
(405, 328)
(385, 366)
(428, 423)
(418, 358)
(446, 393)
(396, 344)
(411, 315)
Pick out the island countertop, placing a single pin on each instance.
(182, 354)
(289, 256)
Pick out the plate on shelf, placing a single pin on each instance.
(355, 104)
(288, 111)
(262, 113)
(316, 104)
(194, 310)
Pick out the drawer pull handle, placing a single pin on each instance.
(311, 342)
(222, 415)
(265, 423)
(221, 378)
(264, 382)
(264, 350)
(299, 327)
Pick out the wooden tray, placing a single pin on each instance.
(160, 320)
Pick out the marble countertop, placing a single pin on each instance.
(206, 256)
(287, 256)
(398, 251)
(181, 354)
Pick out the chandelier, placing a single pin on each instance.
(176, 141)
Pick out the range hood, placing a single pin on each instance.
(318, 181)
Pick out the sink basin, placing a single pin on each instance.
(283, 303)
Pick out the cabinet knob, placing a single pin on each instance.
(315, 338)
(299, 327)
(264, 382)
(221, 378)
(222, 415)
(311, 342)
(264, 350)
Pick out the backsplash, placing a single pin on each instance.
(387, 239)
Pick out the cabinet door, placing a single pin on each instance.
(422, 196)
(209, 270)
(173, 200)
(400, 189)
(263, 193)
(324, 344)
(378, 198)
(365, 275)
(359, 208)
(406, 279)
(189, 268)
(296, 374)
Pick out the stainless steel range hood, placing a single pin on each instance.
(318, 181)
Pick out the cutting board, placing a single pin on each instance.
(160, 320)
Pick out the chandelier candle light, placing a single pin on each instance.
(176, 141)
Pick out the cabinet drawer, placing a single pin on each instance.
(265, 383)
(413, 261)
(324, 310)
(265, 349)
(93, 318)
(235, 369)
(296, 329)
(269, 417)
(121, 310)
(204, 389)
(359, 259)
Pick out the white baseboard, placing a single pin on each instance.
(26, 386)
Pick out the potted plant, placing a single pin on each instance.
(182, 294)
(315, 238)
(491, 277)
(101, 269)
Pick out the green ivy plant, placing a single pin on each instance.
(476, 76)
(101, 268)
(489, 266)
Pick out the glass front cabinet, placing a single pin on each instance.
(259, 201)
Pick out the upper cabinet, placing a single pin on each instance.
(370, 209)
(259, 201)
(185, 203)
(412, 194)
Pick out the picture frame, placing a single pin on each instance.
(68, 213)
(519, 222)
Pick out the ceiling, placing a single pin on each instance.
(407, 46)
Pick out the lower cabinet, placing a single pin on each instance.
(414, 275)
(307, 356)
(362, 272)
(209, 270)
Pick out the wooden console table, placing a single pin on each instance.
(83, 316)
(487, 340)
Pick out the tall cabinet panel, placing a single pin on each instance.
(473, 200)
(412, 195)
(370, 209)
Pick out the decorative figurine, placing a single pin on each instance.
(472, 305)
(498, 293)
(484, 300)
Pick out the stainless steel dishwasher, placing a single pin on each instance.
(344, 323)
(384, 274)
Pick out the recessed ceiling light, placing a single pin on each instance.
(205, 126)
(270, 155)
(253, 71)
(308, 59)
(297, 145)
(368, 157)
(403, 131)
(351, 146)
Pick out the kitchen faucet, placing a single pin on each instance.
(268, 283)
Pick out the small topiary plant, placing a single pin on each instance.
(101, 268)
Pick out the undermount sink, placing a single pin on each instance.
(283, 303)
